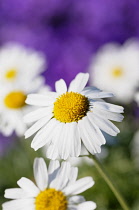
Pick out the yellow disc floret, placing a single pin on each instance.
(71, 107)
(51, 199)
(117, 72)
(15, 100)
(11, 74)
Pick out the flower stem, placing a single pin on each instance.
(109, 182)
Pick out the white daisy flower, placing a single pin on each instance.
(56, 188)
(116, 68)
(67, 117)
(13, 107)
(18, 63)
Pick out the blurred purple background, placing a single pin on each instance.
(68, 32)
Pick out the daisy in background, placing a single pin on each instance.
(20, 70)
(13, 107)
(67, 117)
(56, 188)
(19, 63)
(116, 68)
(84, 159)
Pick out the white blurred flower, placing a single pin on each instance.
(78, 161)
(13, 107)
(67, 117)
(116, 69)
(18, 64)
(56, 188)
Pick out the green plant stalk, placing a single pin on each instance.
(109, 182)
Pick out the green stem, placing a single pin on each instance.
(109, 182)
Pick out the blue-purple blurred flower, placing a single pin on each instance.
(5, 144)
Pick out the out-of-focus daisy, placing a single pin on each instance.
(18, 63)
(67, 117)
(13, 107)
(57, 189)
(116, 68)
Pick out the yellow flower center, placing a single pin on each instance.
(117, 72)
(15, 100)
(11, 74)
(71, 107)
(51, 199)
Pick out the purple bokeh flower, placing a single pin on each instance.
(68, 32)
(5, 144)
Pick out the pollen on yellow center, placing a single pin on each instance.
(11, 74)
(15, 100)
(70, 107)
(117, 72)
(51, 199)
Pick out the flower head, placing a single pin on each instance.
(116, 68)
(13, 107)
(57, 189)
(18, 62)
(68, 116)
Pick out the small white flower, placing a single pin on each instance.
(56, 188)
(67, 117)
(18, 64)
(116, 68)
(13, 107)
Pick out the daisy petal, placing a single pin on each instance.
(37, 126)
(40, 173)
(108, 115)
(78, 84)
(53, 169)
(73, 175)
(39, 100)
(44, 135)
(105, 125)
(96, 130)
(79, 186)
(108, 107)
(61, 86)
(88, 136)
(96, 94)
(28, 186)
(76, 199)
(37, 114)
(19, 204)
(88, 205)
(75, 141)
(64, 142)
(52, 150)
(62, 177)
(15, 193)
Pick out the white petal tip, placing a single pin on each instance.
(33, 147)
(26, 136)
